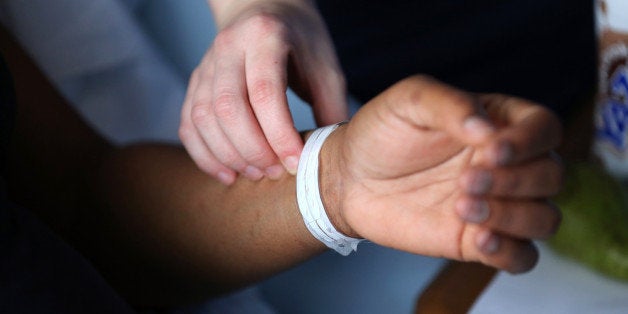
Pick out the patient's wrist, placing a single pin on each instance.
(316, 217)
(331, 181)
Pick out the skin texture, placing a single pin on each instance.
(235, 118)
(422, 155)
(404, 172)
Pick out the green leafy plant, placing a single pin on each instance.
(594, 230)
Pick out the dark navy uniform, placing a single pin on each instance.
(540, 50)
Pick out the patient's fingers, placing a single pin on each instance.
(507, 130)
(534, 219)
(541, 177)
(526, 130)
(501, 251)
(510, 254)
(430, 104)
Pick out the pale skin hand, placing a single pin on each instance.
(420, 161)
(235, 118)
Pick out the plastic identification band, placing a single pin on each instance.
(309, 198)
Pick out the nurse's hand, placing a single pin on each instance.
(235, 117)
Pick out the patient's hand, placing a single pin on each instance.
(432, 170)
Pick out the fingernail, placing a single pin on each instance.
(474, 211)
(487, 242)
(477, 127)
(291, 163)
(275, 171)
(253, 173)
(225, 178)
(480, 183)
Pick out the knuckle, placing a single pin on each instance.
(226, 106)
(266, 24)
(232, 160)
(281, 141)
(225, 39)
(263, 92)
(201, 114)
(418, 80)
(259, 157)
(460, 98)
(414, 94)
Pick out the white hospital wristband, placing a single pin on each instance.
(309, 197)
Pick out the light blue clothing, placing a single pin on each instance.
(99, 57)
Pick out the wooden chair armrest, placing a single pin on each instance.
(455, 288)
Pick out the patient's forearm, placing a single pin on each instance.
(182, 234)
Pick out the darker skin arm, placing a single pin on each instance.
(158, 229)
